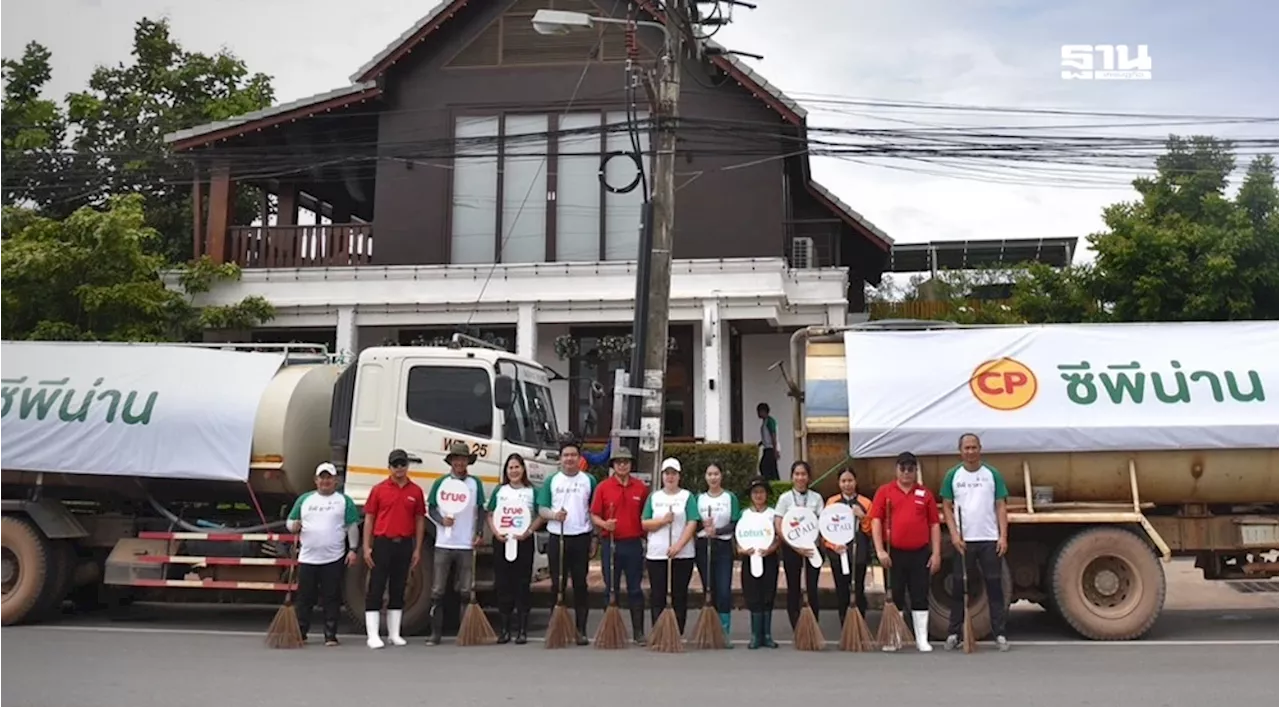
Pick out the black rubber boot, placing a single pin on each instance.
(757, 630)
(637, 625)
(767, 623)
(437, 625)
(504, 637)
(581, 616)
(522, 628)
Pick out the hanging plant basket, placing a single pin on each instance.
(569, 347)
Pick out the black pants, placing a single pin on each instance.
(792, 561)
(391, 559)
(857, 579)
(910, 575)
(769, 465)
(760, 592)
(511, 579)
(326, 580)
(981, 557)
(681, 575)
(572, 568)
(716, 571)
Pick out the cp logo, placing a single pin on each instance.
(1003, 384)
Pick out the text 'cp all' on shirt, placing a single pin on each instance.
(684, 506)
(572, 494)
(324, 519)
(464, 523)
(974, 494)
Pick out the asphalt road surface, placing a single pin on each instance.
(187, 656)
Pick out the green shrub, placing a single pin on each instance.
(738, 462)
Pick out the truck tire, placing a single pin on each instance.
(25, 569)
(417, 594)
(1108, 584)
(942, 585)
(62, 565)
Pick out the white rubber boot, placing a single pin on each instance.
(394, 616)
(920, 619)
(371, 621)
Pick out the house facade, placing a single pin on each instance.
(473, 176)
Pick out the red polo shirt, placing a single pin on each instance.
(395, 508)
(912, 514)
(613, 501)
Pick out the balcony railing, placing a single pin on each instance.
(813, 243)
(311, 246)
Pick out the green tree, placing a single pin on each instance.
(95, 276)
(114, 142)
(34, 131)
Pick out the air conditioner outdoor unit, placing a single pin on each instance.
(802, 256)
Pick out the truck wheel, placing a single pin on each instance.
(24, 569)
(62, 565)
(941, 587)
(1108, 584)
(417, 595)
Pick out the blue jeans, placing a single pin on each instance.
(630, 563)
(720, 573)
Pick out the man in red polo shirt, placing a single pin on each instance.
(395, 521)
(615, 511)
(913, 549)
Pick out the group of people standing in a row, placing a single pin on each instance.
(668, 529)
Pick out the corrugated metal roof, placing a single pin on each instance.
(256, 115)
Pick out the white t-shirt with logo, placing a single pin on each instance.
(325, 519)
(974, 494)
(685, 508)
(723, 509)
(462, 537)
(572, 494)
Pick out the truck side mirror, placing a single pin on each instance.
(504, 391)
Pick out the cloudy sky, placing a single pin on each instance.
(1207, 58)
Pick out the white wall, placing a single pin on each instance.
(760, 385)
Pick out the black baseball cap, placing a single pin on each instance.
(907, 459)
(398, 457)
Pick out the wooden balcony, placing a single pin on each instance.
(310, 246)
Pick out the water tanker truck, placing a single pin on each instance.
(165, 468)
(1122, 445)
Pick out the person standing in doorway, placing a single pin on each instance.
(980, 535)
(454, 549)
(795, 562)
(512, 578)
(770, 452)
(395, 522)
(564, 501)
(616, 508)
(914, 548)
(329, 524)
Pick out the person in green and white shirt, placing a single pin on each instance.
(329, 525)
(564, 501)
(671, 518)
(456, 549)
(720, 511)
(976, 513)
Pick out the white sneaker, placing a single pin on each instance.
(371, 621)
(920, 619)
(1002, 643)
(394, 617)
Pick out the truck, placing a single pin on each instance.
(162, 469)
(1122, 445)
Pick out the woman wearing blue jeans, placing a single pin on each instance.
(720, 511)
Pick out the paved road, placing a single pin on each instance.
(165, 656)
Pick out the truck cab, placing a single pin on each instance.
(422, 400)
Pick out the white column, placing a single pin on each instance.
(837, 314)
(714, 375)
(527, 331)
(348, 334)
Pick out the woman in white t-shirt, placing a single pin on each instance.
(512, 579)
(719, 510)
(671, 519)
(760, 592)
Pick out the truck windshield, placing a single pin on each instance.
(532, 419)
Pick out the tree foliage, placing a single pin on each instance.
(1183, 251)
(96, 276)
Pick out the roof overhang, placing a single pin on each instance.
(970, 255)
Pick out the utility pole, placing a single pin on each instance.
(662, 227)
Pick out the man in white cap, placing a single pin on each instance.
(329, 525)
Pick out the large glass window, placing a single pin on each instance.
(451, 398)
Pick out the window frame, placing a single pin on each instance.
(454, 370)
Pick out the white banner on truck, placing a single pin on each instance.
(1065, 388)
(122, 410)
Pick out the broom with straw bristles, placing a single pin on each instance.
(612, 634)
(856, 635)
(284, 631)
(808, 633)
(709, 634)
(893, 632)
(561, 631)
(475, 629)
(665, 637)
(970, 641)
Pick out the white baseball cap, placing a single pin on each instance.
(671, 463)
(326, 468)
